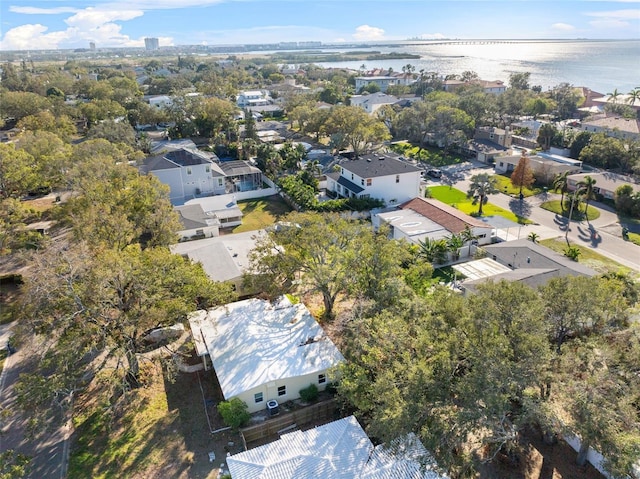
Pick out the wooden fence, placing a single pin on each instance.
(286, 422)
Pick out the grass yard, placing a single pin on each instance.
(590, 258)
(556, 207)
(261, 212)
(634, 238)
(505, 186)
(435, 157)
(459, 200)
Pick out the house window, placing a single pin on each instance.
(352, 176)
(188, 171)
(322, 379)
(397, 178)
(257, 397)
(491, 136)
(342, 170)
(219, 181)
(207, 169)
(369, 181)
(282, 390)
(362, 182)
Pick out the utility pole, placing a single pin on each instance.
(573, 199)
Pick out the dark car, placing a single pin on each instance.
(434, 173)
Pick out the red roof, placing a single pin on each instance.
(447, 216)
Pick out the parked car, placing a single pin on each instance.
(434, 173)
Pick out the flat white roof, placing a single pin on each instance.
(254, 342)
(414, 225)
(481, 268)
(337, 450)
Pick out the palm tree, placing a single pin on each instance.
(561, 182)
(533, 237)
(634, 95)
(482, 185)
(613, 96)
(454, 243)
(468, 237)
(588, 192)
(432, 250)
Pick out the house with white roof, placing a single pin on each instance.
(495, 87)
(252, 98)
(381, 176)
(223, 258)
(372, 102)
(337, 450)
(263, 351)
(544, 166)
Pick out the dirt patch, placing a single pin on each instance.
(539, 461)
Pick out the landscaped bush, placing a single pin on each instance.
(234, 413)
(310, 393)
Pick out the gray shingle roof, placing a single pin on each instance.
(373, 166)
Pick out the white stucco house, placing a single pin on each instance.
(337, 450)
(160, 101)
(384, 82)
(373, 101)
(613, 126)
(422, 218)
(606, 183)
(264, 351)
(252, 98)
(381, 176)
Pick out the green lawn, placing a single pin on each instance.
(261, 212)
(634, 238)
(505, 186)
(588, 256)
(459, 200)
(556, 207)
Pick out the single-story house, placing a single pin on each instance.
(337, 450)
(264, 351)
(223, 258)
(526, 261)
(606, 183)
(196, 222)
(544, 168)
(372, 102)
(422, 218)
(616, 127)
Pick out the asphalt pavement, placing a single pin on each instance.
(603, 235)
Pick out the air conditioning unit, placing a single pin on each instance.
(273, 408)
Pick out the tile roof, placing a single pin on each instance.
(450, 218)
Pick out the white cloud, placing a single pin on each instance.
(563, 27)
(30, 36)
(609, 24)
(628, 14)
(366, 32)
(42, 11)
(432, 36)
(90, 18)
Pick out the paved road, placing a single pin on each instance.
(49, 453)
(603, 235)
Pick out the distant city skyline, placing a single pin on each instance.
(53, 24)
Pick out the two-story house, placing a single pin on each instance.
(187, 172)
(487, 143)
(384, 82)
(252, 98)
(381, 176)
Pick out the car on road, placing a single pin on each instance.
(433, 173)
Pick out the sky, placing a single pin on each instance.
(60, 24)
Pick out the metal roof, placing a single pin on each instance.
(337, 450)
(254, 342)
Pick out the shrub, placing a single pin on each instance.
(310, 393)
(234, 413)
